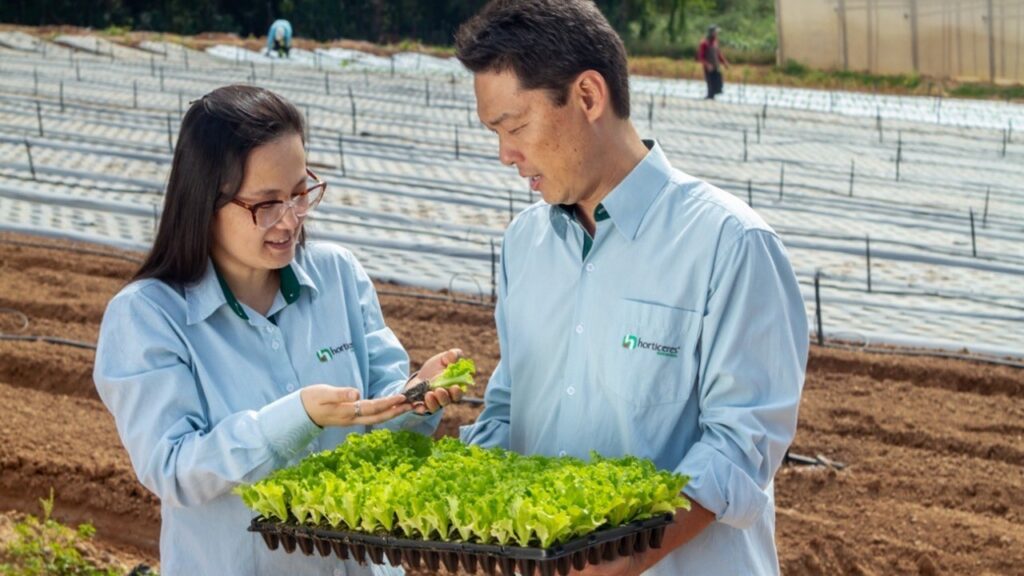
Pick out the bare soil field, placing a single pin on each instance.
(934, 448)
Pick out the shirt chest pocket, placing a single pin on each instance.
(648, 354)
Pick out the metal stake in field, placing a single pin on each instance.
(750, 193)
(31, 164)
(867, 254)
(899, 153)
(974, 241)
(782, 179)
(78, 72)
(984, 215)
(456, 141)
(426, 91)
(39, 118)
(327, 83)
(853, 164)
(161, 78)
(817, 306)
(135, 93)
(341, 154)
(878, 123)
(170, 135)
(352, 100)
(61, 92)
(757, 119)
(744, 144)
(35, 81)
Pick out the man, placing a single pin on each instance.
(641, 311)
(710, 57)
(279, 39)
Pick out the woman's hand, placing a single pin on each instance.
(441, 397)
(336, 406)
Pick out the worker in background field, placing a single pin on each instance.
(279, 38)
(711, 58)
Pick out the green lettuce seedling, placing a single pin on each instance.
(459, 373)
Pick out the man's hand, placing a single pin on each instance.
(685, 527)
(441, 397)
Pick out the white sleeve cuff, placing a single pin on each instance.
(722, 487)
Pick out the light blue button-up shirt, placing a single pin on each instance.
(204, 399)
(680, 336)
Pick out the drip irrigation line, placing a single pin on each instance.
(928, 353)
(91, 252)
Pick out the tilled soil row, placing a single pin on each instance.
(934, 448)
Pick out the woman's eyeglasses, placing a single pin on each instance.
(267, 214)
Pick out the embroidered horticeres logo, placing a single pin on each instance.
(634, 342)
(326, 354)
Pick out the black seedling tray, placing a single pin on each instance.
(594, 548)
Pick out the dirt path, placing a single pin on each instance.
(935, 448)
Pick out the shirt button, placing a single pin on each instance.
(270, 329)
(562, 453)
(590, 267)
(579, 328)
(275, 344)
(570, 390)
(290, 387)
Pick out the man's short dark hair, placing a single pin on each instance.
(547, 44)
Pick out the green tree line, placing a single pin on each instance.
(668, 27)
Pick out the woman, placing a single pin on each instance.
(237, 350)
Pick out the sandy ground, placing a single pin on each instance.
(934, 482)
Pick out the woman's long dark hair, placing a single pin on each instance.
(217, 134)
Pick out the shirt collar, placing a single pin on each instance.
(212, 292)
(629, 201)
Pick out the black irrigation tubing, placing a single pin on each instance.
(935, 312)
(816, 131)
(395, 228)
(150, 153)
(952, 220)
(930, 249)
(896, 351)
(825, 172)
(435, 298)
(464, 230)
(914, 293)
(479, 192)
(62, 175)
(75, 249)
(48, 340)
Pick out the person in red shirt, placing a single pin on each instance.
(712, 58)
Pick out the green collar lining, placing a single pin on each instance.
(289, 289)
